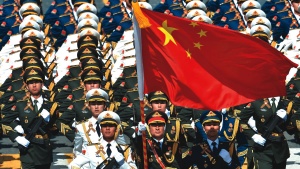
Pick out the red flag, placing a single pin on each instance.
(204, 66)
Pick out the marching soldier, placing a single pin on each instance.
(270, 151)
(88, 132)
(106, 151)
(160, 152)
(37, 149)
(212, 152)
(229, 132)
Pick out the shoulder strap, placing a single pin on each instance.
(158, 159)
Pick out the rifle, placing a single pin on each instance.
(268, 131)
(34, 126)
(108, 163)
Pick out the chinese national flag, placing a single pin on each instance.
(204, 66)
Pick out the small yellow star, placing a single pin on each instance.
(168, 32)
(188, 53)
(202, 33)
(193, 24)
(197, 45)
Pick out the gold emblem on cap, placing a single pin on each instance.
(28, 24)
(32, 61)
(158, 93)
(96, 93)
(91, 61)
(32, 72)
(86, 50)
(29, 51)
(156, 114)
(211, 113)
(28, 41)
(91, 72)
(259, 29)
(32, 34)
(88, 23)
(108, 115)
(88, 38)
(261, 21)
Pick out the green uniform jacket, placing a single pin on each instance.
(39, 154)
(262, 113)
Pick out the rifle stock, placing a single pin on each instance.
(269, 129)
(33, 127)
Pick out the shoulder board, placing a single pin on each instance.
(23, 100)
(78, 88)
(53, 108)
(79, 100)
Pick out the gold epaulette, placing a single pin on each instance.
(53, 108)
(78, 100)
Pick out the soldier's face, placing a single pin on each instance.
(96, 108)
(157, 130)
(108, 131)
(34, 87)
(91, 84)
(295, 5)
(159, 105)
(211, 129)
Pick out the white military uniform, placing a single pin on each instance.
(85, 143)
(98, 159)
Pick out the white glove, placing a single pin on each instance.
(282, 114)
(74, 124)
(252, 124)
(141, 128)
(223, 111)
(225, 155)
(259, 139)
(119, 158)
(23, 141)
(19, 129)
(46, 115)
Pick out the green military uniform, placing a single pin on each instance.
(276, 149)
(163, 153)
(39, 150)
(202, 155)
(293, 90)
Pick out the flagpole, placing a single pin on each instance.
(142, 104)
(140, 73)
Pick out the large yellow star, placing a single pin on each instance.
(188, 53)
(193, 24)
(197, 45)
(202, 33)
(168, 32)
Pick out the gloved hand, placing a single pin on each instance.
(282, 114)
(46, 115)
(141, 128)
(22, 140)
(19, 129)
(74, 124)
(225, 155)
(259, 139)
(118, 157)
(252, 124)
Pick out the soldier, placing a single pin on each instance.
(230, 133)
(275, 150)
(88, 133)
(38, 150)
(160, 152)
(296, 8)
(212, 152)
(78, 109)
(108, 151)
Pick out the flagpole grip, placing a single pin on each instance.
(142, 105)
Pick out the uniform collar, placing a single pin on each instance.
(40, 99)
